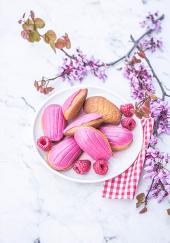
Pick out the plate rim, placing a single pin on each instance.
(55, 172)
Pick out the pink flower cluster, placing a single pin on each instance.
(155, 164)
(160, 110)
(78, 67)
(152, 22)
(151, 44)
(140, 80)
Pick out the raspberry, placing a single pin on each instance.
(101, 167)
(82, 166)
(127, 110)
(128, 123)
(44, 143)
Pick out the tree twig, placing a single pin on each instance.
(147, 195)
(152, 70)
(135, 44)
(128, 53)
(67, 54)
(51, 79)
(44, 82)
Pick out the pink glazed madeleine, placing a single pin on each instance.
(119, 138)
(74, 103)
(87, 120)
(93, 142)
(53, 122)
(64, 154)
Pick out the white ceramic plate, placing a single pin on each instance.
(117, 164)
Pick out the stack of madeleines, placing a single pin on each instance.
(90, 125)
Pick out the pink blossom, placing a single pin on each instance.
(140, 80)
(77, 68)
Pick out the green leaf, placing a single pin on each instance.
(168, 211)
(138, 204)
(39, 23)
(141, 197)
(28, 25)
(50, 36)
(29, 21)
(52, 44)
(34, 36)
(60, 43)
(139, 114)
(144, 210)
(147, 103)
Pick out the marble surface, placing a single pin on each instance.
(35, 205)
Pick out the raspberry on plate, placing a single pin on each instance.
(101, 167)
(44, 143)
(128, 123)
(82, 166)
(127, 110)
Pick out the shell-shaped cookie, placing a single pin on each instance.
(93, 142)
(100, 105)
(53, 122)
(74, 103)
(87, 120)
(119, 138)
(63, 155)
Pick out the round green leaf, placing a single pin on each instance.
(39, 23)
(50, 36)
(34, 36)
(28, 25)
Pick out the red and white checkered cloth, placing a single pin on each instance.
(124, 185)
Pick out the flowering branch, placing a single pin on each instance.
(31, 27)
(42, 85)
(164, 93)
(146, 33)
(141, 81)
(77, 66)
(71, 66)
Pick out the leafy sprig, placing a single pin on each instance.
(31, 27)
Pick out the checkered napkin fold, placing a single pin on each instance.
(124, 185)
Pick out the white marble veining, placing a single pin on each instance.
(35, 205)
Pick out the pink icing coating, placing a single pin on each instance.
(117, 136)
(53, 122)
(64, 154)
(82, 120)
(93, 143)
(69, 101)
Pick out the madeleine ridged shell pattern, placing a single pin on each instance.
(93, 142)
(53, 122)
(91, 119)
(64, 154)
(118, 137)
